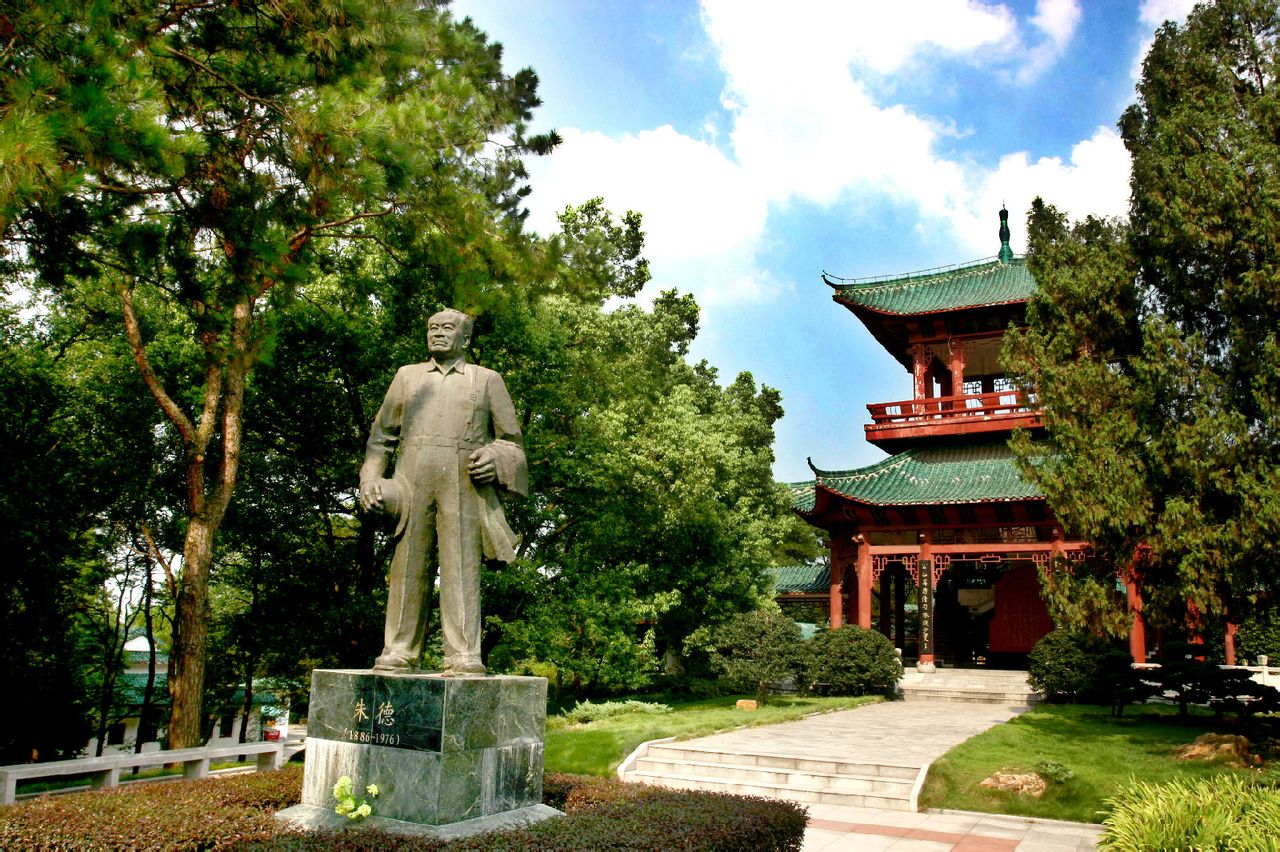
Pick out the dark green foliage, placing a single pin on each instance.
(853, 661)
(1186, 680)
(756, 649)
(236, 813)
(1154, 345)
(1067, 665)
(1260, 634)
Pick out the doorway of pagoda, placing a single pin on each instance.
(895, 603)
(988, 611)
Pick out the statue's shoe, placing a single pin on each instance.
(465, 668)
(391, 662)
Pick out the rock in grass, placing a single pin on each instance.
(1231, 749)
(1022, 783)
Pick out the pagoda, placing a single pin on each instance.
(945, 528)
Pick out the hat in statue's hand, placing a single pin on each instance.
(395, 500)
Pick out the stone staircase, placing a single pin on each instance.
(976, 686)
(690, 766)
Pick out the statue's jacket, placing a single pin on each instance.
(436, 416)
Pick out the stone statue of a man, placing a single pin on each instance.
(458, 442)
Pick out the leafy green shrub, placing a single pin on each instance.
(755, 649)
(1225, 811)
(853, 661)
(587, 711)
(1054, 771)
(1070, 666)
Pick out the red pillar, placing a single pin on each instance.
(920, 358)
(835, 604)
(1138, 629)
(956, 348)
(1230, 643)
(864, 582)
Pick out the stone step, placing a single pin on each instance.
(970, 686)
(825, 782)
(690, 753)
(789, 792)
(971, 696)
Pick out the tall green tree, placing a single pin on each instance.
(1153, 344)
(193, 160)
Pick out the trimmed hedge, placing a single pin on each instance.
(853, 661)
(236, 813)
(1070, 666)
(212, 813)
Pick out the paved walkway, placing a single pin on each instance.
(903, 732)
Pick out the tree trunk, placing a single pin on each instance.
(191, 635)
(147, 712)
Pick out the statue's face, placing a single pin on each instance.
(446, 335)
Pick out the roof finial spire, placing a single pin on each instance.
(1006, 253)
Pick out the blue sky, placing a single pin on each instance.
(766, 143)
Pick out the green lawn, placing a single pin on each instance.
(1103, 753)
(596, 748)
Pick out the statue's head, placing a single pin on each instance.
(448, 333)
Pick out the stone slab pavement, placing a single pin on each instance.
(910, 733)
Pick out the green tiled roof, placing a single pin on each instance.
(132, 685)
(973, 285)
(802, 495)
(801, 578)
(977, 473)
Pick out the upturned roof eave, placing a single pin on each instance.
(840, 495)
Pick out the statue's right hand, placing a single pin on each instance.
(371, 496)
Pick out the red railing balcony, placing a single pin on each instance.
(967, 414)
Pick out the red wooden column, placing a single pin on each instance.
(835, 603)
(956, 348)
(1229, 641)
(920, 358)
(1138, 629)
(1133, 592)
(864, 581)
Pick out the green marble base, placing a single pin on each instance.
(441, 750)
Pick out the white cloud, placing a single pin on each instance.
(704, 220)
(1153, 13)
(1095, 180)
(1057, 21)
(809, 121)
(881, 36)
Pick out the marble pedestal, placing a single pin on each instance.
(450, 755)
